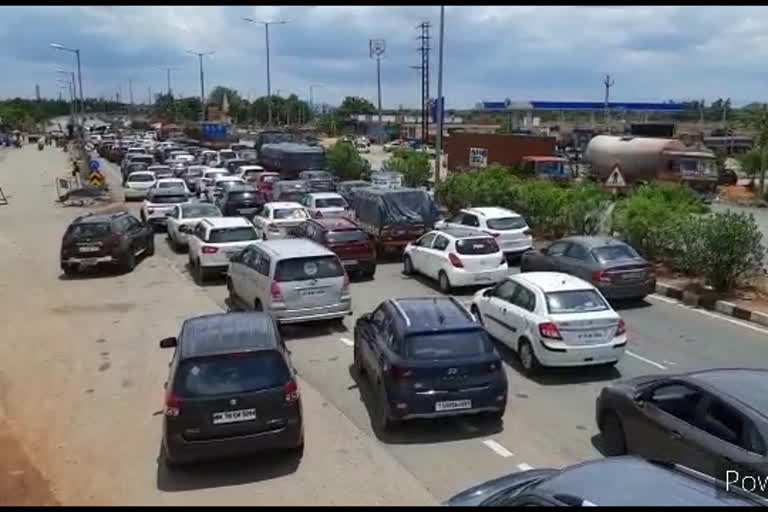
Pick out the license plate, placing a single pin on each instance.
(588, 337)
(453, 405)
(311, 293)
(234, 416)
(482, 278)
(632, 275)
(349, 262)
(246, 211)
(89, 262)
(89, 248)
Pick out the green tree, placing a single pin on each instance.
(238, 110)
(345, 162)
(413, 165)
(355, 105)
(757, 119)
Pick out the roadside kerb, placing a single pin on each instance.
(721, 306)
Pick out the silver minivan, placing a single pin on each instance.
(296, 280)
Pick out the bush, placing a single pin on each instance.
(413, 165)
(732, 248)
(345, 162)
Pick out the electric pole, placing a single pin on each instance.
(200, 56)
(608, 83)
(424, 50)
(130, 92)
(376, 49)
(269, 78)
(440, 107)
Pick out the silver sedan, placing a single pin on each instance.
(184, 218)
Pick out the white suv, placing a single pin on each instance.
(552, 319)
(509, 228)
(276, 219)
(456, 257)
(214, 240)
(325, 204)
(138, 184)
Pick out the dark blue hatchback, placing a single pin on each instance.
(426, 358)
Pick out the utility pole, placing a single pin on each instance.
(376, 48)
(424, 50)
(130, 92)
(269, 79)
(200, 56)
(608, 83)
(440, 107)
(149, 91)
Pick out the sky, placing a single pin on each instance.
(653, 53)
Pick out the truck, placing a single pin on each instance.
(272, 137)
(478, 150)
(290, 158)
(623, 162)
(394, 217)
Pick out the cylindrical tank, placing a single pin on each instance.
(639, 158)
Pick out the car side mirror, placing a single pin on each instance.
(365, 317)
(488, 292)
(168, 342)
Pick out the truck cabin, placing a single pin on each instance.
(692, 165)
(547, 167)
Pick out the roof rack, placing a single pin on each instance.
(401, 311)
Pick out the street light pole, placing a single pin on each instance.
(269, 78)
(376, 49)
(440, 103)
(76, 51)
(200, 56)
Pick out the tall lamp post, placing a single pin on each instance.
(439, 108)
(200, 56)
(76, 51)
(376, 49)
(269, 78)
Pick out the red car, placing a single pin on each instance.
(346, 238)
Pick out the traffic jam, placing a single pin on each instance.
(271, 223)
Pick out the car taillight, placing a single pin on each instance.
(207, 249)
(455, 261)
(276, 292)
(291, 391)
(172, 404)
(494, 235)
(549, 330)
(621, 328)
(345, 288)
(527, 231)
(399, 373)
(601, 276)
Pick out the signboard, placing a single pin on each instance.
(216, 130)
(93, 165)
(478, 157)
(616, 179)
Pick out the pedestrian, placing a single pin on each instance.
(75, 169)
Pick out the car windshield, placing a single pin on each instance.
(140, 178)
(198, 210)
(290, 213)
(447, 345)
(225, 235)
(320, 175)
(89, 230)
(167, 199)
(505, 223)
(330, 202)
(350, 235)
(611, 253)
(477, 246)
(314, 267)
(575, 301)
(231, 374)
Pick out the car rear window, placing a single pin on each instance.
(447, 345)
(140, 178)
(575, 301)
(349, 235)
(142, 159)
(229, 374)
(195, 210)
(330, 202)
(611, 253)
(505, 223)
(314, 267)
(317, 176)
(290, 213)
(477, 246)
(89, 230)
(224, 235)
(193, 173)
(181, 198)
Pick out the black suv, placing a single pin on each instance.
(231, 390)
(115, 239)
(428, 357)
(245, 201)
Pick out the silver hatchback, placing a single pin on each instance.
(296, 280)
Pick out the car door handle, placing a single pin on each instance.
(674, 434)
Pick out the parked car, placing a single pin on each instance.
(325, 204)
(708, 420)
(192, 175)
(552, 319)
(610, 264)
(213, 241)
(231, 390)
(362, 147)
(183, 219)
(456, 257)
(206, 181)
(131, 168)
(226, 154)
(159, 202)
(395, 145)
(318, 181)
(295, 280)
(612, 482)
(243, 200)
(106, 239)
(727, 177)
(509, 228)
(427, 357)
(386, 179)
(277, 218)
(221, 184)
(289, 190)
(248, 172)
(234, 163)
(344, 237)
(138, 184)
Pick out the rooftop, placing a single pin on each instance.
(223, 333)
(553, 281)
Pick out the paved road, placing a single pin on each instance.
(549, 420)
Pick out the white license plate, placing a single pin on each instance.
(234, 416)
(349, 262)
(590, 337)
(246, 211)
(632, 275)
(311, 293)
(453, 405)
(89, 262)
(89, 248)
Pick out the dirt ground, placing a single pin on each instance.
(21, 484)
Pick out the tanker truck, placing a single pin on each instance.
(623, 162)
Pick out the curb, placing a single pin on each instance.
(721, 306)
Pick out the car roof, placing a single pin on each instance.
(433, 313)
(467, 232)
(283, 204)
(230, 178)
(593, 241)
(226, 333)
(492, 212)
(252, 168)
(324, 195)
(336, 223)
(747, 385)
(137, 173)
(553, 281)
(228, 222)
(98, 218)
(170, 180)
(290, 248)
(171, 191)
(157, 167)
(632, 481)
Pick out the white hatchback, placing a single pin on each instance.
(552, 319)
(138, 184)
(509, 228)
(456, 257)
(276, 219)
(325, 204)
(170, 183)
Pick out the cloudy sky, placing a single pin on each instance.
(491, 53)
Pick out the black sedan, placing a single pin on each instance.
(612, 266)
(712, 421)
(617, 481)
(245, 201)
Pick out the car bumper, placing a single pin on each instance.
(463, 278)
(131, 193)
(181, 450)
(293, 316)
(407, 405)
(85, 261)
(581, 356)
(628, 291)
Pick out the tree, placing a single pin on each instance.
(758, 120)
(237, 108)
(355, 105)
(415, 166)
(345, 162)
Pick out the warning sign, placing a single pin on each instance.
(616, 179)
(96, 179)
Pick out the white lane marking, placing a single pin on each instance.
(734, 321)
(641, 358)
(500, 450)
(524, 467)
(347, 342)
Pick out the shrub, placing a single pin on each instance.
(345, 162)
(415, 166)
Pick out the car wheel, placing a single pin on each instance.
(129, 260)
(357, 362)
(612, 433)
(475, 311)
(407, 266)
(370, 271)
(169, 464)
(442, 280)
(528, 360)
(150, 246)
(382, 419)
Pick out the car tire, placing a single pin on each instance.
(408, 266)
(612, 434)
(528, 360)
(357, 362)
(495, 416)
(382, 420)
(150, 247)
(169, 464)
(129, 260)
(370, 271)
(69, 269)
(443, 282)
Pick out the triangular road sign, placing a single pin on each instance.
(616, 179)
